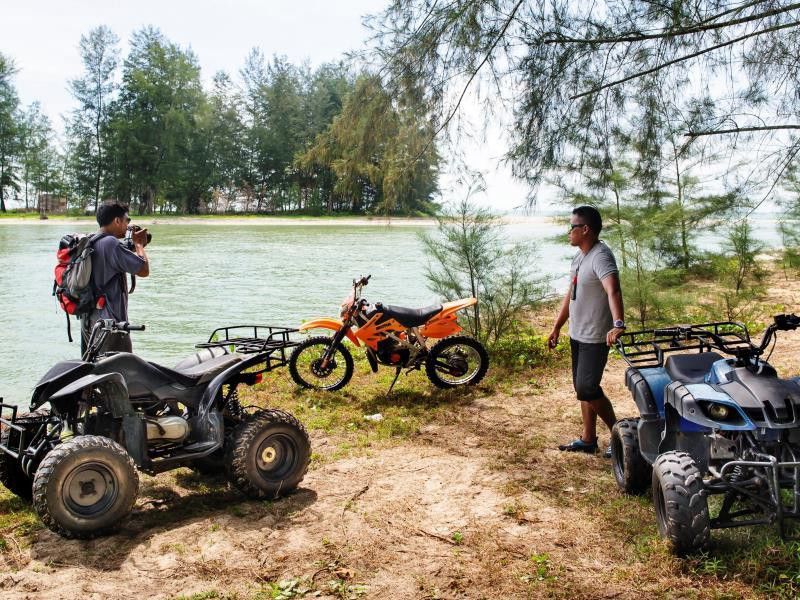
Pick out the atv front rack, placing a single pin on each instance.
(26, 436)
(13, 429)
(647, 348)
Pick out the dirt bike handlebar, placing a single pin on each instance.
(362, 281)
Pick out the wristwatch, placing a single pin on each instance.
(619, 324)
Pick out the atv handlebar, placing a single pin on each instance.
(100, 332)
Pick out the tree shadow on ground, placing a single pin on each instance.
(416, 399)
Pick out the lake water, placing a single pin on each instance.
(212, 275)
(205, 276)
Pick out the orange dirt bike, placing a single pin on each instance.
(400, 337)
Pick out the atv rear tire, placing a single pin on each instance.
(680, 501)
(11, 475)
(455, 361)
(631, 471)
(85, 487)
(268, 455)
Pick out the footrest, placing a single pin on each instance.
(198, 447)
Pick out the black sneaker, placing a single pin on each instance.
(579, 446)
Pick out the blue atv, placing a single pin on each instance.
(715, 420)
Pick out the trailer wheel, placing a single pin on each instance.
(680, 502)
(85, 487)
(631, 470)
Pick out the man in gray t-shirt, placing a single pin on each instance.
(111, 264)
(593, 305)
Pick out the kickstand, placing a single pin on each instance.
(396, 375)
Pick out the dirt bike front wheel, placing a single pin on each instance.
(455, 361)
(309, 369)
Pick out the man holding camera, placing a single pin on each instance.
(112, 261)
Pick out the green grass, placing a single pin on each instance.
(18, 522)
(414, 403)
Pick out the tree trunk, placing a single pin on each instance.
(148, 201)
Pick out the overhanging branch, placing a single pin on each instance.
(699, 28)
(684, 58)
(694, 134)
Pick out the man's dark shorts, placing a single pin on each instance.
(588, 363)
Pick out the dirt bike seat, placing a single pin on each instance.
(410, 317)
(690, 368)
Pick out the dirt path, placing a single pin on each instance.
(478, 504)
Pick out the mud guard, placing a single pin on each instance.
(329, 323)
(115, 394)
(208, 425)
(112, 383)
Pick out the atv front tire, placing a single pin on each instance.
(631, 471)
(268, 454)
(680, 502)
(85, 487)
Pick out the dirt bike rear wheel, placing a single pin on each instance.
(456, 361)
(305, 365)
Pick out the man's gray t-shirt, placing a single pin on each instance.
(589, 315)
(111, 262)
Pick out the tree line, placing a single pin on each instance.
(277, 138)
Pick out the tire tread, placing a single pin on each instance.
(236, 457)
(47, 468)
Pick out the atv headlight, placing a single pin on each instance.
(718, 412)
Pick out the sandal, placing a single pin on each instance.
(579, 446)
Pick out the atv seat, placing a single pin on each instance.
(409, 317)
(206, 363)
(690, 368)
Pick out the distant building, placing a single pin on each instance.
(49, 203)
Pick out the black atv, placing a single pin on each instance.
(109, 416)
(715, 420)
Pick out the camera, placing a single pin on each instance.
(127, 241)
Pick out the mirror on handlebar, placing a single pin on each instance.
(787, 322)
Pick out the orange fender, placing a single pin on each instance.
(329, 323)
(445, 323)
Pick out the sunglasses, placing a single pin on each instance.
(574, 225)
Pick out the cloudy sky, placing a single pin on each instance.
(42, 37)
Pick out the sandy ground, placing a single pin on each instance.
(478, 505)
